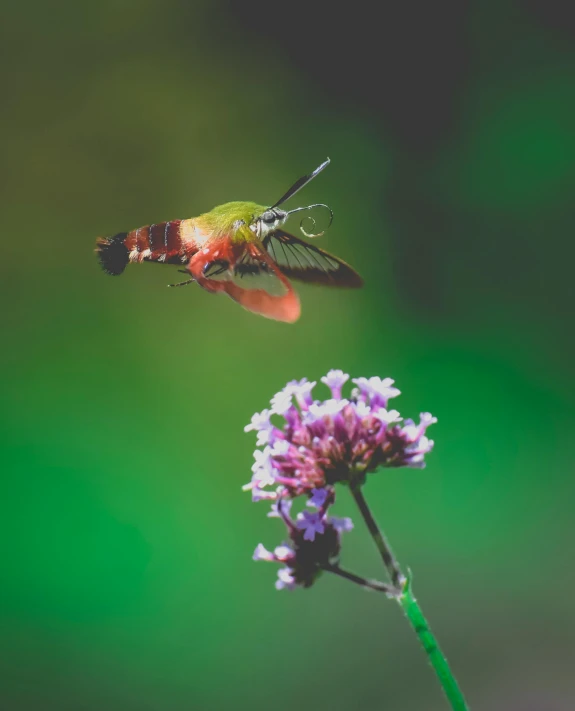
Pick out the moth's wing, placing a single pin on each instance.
(259, 286)
(300, 260)
(254, 271)
(249, 276)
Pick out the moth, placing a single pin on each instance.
(240, 249)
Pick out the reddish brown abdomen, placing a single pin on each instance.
(153, 243)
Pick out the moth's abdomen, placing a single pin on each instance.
(113, 254)
(153, 243)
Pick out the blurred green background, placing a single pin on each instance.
(127, 580)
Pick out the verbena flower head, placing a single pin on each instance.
(314, 544)
(321, 442)
(309, 445)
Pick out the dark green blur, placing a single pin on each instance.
(127, 581)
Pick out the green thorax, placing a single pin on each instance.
(232, 219)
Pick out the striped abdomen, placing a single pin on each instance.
(154, 243)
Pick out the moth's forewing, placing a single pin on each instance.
(305, 262)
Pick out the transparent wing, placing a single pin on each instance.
(254, 271)
(259, 286)
(300, 260)
(247, 274)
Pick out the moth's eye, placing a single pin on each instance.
(269, 218)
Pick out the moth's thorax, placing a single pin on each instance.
(229, 220)
(238, 221)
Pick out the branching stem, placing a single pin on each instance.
(364, 582)
(411, 608)
(389, 560)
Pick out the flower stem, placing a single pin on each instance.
(391, 564)
(412, 610)
(364, 582)
(434, 654)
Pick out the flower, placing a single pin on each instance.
(261, 424)
(319, 410)
(280, 448)
(286, 580)
(323, 442)
(341, 524)
(286, 506)
(314, 545)
(408, 445)
(310, 523)
(302, 391)
(263, 469)
(318, 498)
(283, 553)
(362, 409)
(386, 416)
(259, 421)
(261, 494)
(375, 389)
(261, 553)
(281, 402)
(335, 380)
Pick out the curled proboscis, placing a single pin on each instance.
(312, 235)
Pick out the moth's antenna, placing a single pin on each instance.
(299, 184)
(309, 217)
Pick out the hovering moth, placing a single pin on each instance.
(238, 248)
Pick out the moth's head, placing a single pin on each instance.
(269, 221)
(236, 216)
(272, 218)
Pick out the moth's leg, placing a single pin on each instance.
(183, 283)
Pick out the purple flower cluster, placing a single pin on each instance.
(318, 444)
(314, 541)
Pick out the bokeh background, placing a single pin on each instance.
(127, 580)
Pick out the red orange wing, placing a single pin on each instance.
(246, 273)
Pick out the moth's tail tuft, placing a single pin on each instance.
(113, 254)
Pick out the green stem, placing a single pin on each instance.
(411, 609)
(431, 647)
